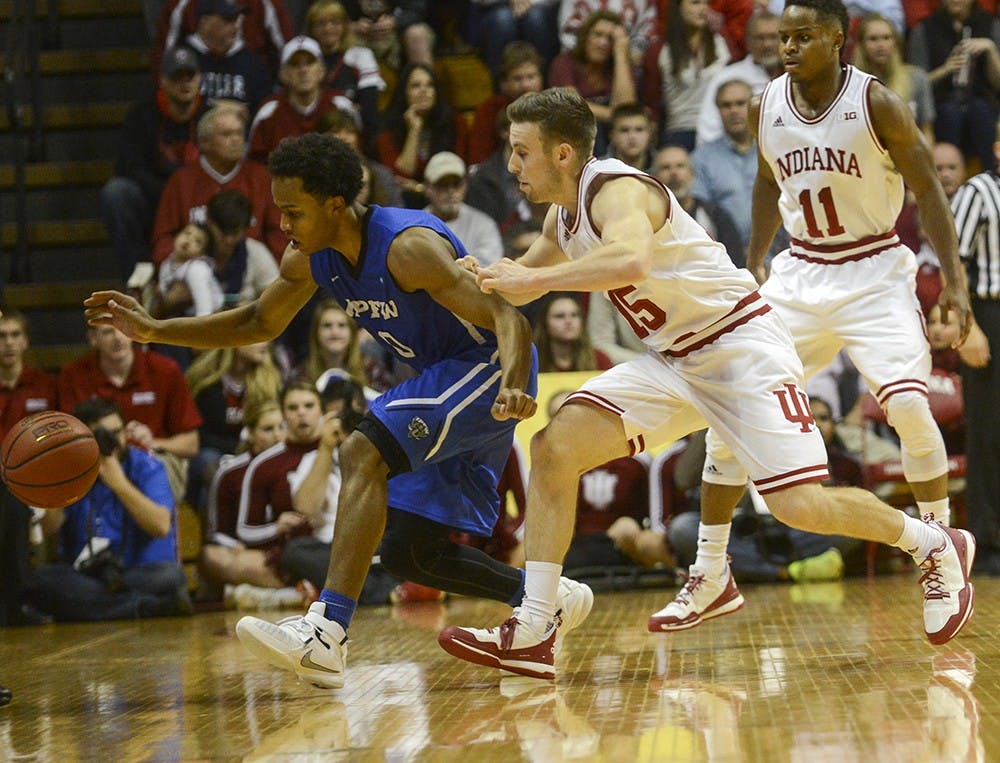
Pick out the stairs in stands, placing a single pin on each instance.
(95, 63)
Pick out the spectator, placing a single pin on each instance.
(844, 466)
(675, 171)
(497, 192)
(149, 390)
(494, 25)
(157, 137)
(23, 391)
(638, 18)
(267, 515)
(519, 72)
(561, 336)
(243, 266)
(351, 69)
(315, 487)
(631, 136)
(879, 51)
(445, 188)
(944, 385)
(298, 106)
(263, 26)
(417, 124)
(222, 552)
(118, 544)
(977, 219)
(949, 164)
(724, 169)
(598, 68)
(957, 47)
(381, 185)
(223, 383)
(677, 71)
(334, 342)
(230, 71)
(762, 64)
(379, 25)
(187, 284)
(221, 167)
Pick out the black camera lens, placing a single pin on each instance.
(107, 442)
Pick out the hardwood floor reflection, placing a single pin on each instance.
(838, 672)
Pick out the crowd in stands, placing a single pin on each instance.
(248, 437)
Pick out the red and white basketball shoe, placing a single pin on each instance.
(515, 646)
(949, 597)
(700, 599)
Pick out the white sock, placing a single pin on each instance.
(918, 538)
(712, 543)
(940, 509)
(541, 589)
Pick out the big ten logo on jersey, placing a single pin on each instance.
(847, 116)
(795, 406)
(597, 488)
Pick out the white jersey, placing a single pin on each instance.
(693, 293)
(840, 191)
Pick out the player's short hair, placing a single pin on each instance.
(327, 166)
(826, 10)
(561, 115)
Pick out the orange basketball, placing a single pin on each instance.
(49, 459)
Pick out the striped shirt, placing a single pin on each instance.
(976, 206)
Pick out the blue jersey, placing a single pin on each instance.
(411, 324)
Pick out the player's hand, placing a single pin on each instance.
(513, 404)
(112, 308)
(505, 275)
(975, 352)
(956, 297)
(469, 263)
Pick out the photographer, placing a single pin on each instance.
(118, 544)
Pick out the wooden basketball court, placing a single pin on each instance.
(804, 673)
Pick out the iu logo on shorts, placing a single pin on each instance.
(795, 406)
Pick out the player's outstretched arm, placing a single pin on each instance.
(260, 320)
(765, 217)
(895, 127)
(420, 259)
(515, 280)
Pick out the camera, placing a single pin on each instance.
(105, 567)
(97, 560)
(107, 441)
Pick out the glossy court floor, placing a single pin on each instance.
(825, 672)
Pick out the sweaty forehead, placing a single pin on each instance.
(525, 134)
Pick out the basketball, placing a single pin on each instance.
(49, 459)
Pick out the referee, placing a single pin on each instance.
(976, 206)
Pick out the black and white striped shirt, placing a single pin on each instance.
(976, 206)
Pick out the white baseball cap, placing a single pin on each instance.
(296, 44)
(444, 164)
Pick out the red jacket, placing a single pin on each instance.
(187, 194)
